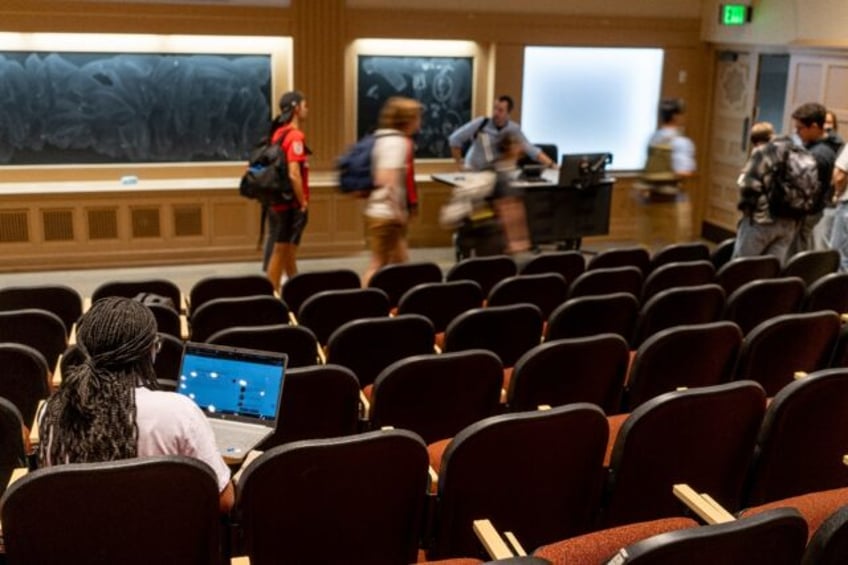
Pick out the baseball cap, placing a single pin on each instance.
(288, 102)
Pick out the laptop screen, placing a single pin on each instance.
(233, 383)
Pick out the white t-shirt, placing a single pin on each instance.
(388, 202)
(171, 424)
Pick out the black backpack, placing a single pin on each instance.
(267, 176)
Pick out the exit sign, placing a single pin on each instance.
(735, 14)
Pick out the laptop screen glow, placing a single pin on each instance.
(232, 385)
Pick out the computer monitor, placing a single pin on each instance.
(582, 170)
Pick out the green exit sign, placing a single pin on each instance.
(735, 14)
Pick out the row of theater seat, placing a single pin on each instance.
(537, 474)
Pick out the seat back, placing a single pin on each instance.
(802, 440)
(569, 264)
(590, 315)
(776, 537)
(677, 274)
(210, 288)
(773, 351)
(677, 307)
(485, 271)
(811, 265)
(829, 544)
(741, 270)
(830, 292)
(59, 299)
(436, 396)
(24, 378)
(506, 331)
(223, 313)
(680, 253)
(298, 342)
(636, 256)
(757, 301)
(585, 369)
(395, 279)
(607, 281)
(168, 361)
(546, 291)
(367, 492)
(369, 345)
(683, 356)
(134, 495)
(167, 320)
(703, 437)
(325, 312)
(12, 453)
(318, 402)
(553, 498)
(39, 329)
(131, 289)
(304, 285)
(441, 302)
(723, 252)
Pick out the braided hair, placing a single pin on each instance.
(92, 416)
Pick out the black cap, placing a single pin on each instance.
(288, 102)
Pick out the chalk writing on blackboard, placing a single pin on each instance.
(60, 108)
(443, 85)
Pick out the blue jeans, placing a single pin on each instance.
(839, 234)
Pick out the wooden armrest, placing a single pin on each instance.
(72, 335)
(798, 375)
(183, 305)
(17, 473)
(502, 399)
(516, 546)
(844, 318)
(681, 388)
(434, 478)
(86, 304)
(33, 430)
(491, 540)
(184, 332)
(292, 319)
(366, 405)
(251, 455)
(243, 560)
(705, 507)
(322, 356)
(56, 376)
(845, 460)
(543, 407)
(436, 348)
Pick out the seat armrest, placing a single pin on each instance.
(34, 433)
(365, 406)
(703, 505)
(491, 540)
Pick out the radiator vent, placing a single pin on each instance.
(145, 222)
(188, 221)
(58, 225)
(103, 223)
(13, 226)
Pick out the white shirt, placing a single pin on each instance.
(171, 424)
(388, 202)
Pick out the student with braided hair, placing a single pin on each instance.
(107, 407)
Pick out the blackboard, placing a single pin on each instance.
(60, 108)
(443, 85)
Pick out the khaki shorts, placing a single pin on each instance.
(384, 236)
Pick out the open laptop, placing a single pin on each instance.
(239, 391)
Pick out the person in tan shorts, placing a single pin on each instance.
(389, 205)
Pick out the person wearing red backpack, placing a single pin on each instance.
(286, 221)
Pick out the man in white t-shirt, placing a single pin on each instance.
(839, 232)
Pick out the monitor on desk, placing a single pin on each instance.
(582, 170)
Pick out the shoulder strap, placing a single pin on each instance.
(480, 127)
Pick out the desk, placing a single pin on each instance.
(557, 214)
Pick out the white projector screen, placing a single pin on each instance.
(592, 100)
